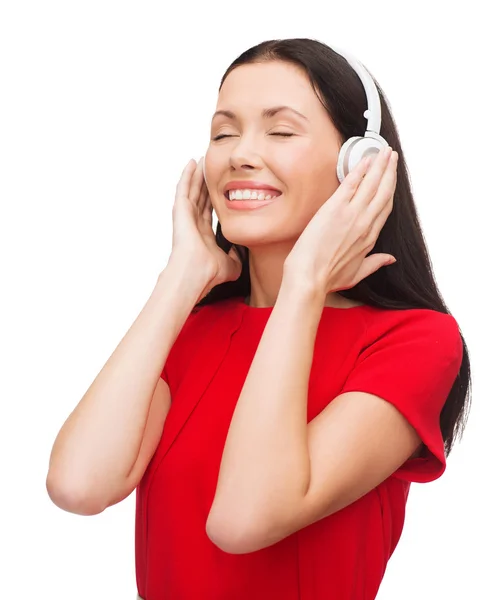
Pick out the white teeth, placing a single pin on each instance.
(251, 195)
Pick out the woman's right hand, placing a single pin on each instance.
(194, 246)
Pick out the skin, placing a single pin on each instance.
(302, 167)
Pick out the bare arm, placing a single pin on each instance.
(98, 445)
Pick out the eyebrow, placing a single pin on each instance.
(267, 113)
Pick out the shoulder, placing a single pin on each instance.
(410, 321)
(417, 329)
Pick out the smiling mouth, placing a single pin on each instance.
(261, 197)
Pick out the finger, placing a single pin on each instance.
(208, 209)
(196, 182)
(183, 184)
(205, 221)
(370, 265)
(368, 187)
(381, 219)
(346, 190)
(383, 203)
(385, 191)
(202, 200)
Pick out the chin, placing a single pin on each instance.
(242, 234)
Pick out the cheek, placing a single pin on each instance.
(314, 183)
(324, 181)
(311, 167)
(310, 186)
(293, 162)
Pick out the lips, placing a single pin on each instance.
(249, 205)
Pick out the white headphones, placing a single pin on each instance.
(356, 148)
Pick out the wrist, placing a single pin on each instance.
(301, 289)
(183, 280)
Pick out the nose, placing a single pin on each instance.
(243, 155)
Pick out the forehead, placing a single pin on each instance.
(263, 84)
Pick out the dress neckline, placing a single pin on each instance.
(266, 309)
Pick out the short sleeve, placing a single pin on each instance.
(168, 369)
(164, 374)
(412, 362)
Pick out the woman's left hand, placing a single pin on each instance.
(330, 254)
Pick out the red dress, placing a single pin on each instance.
(409, 358)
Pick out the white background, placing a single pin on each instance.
(101, 106)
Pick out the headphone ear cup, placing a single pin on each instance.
(343, 156)
(353, 151)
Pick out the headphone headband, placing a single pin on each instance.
(356, 148)
(373, 112)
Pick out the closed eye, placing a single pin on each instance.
(219, 137)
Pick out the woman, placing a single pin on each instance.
(306, 383)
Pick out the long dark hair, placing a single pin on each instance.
(410, 282)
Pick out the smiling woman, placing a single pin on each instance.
(301, 413)
(279, 401)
